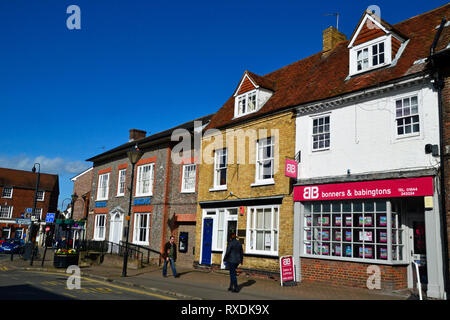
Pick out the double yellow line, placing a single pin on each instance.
(114, 286)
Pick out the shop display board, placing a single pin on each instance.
(287, 271)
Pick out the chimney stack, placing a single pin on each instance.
(136, 134)
(331, 37)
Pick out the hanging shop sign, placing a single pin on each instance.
(410, 187)
(290, 168)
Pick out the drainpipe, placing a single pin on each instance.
(438, 84)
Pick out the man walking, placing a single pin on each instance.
(170, 255)
(233, 256)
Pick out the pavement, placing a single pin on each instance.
(199, 284)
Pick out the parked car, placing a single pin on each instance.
(13, 246)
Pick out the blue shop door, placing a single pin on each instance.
(207, 241)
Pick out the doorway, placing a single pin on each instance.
(415, 213)
(231, 218)
(115, 232)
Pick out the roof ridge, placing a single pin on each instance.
(422, 14)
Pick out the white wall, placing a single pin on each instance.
(363, 137)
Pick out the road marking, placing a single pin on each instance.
(2, 268)
(113, 285)
(69, 295)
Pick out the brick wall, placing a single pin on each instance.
(241, 176)
(81, 186)
(351, 274)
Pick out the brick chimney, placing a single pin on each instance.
(136, 134)
(331, 37)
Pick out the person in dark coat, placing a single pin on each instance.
(170, 255)
(233, 256)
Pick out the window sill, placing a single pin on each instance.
(261, 253)
(143, 195)
(141, 243)
(357, 260)
(268, 182)
(120, 196)
(219, 188)
(187, 191)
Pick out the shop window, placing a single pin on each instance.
(353, 230)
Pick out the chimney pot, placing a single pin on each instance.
(136, 134)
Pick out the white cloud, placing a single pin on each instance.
(55, 165)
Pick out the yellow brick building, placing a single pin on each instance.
(243, 188)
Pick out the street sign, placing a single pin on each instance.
(26, 222)
(50, 218)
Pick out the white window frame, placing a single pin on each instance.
(184, 185)
(318, 134)
(8, 211)
(37, 215)
(418, 114)
(121, 184)
(217, 169)
(259, 166)
(98, 227)
(353, 56)
(140, 181)
(40, 198)
(245, 97)
(102, 185)
(394, 228)
(220, 217)
(10, 194)
(252, 230)
(138, 228)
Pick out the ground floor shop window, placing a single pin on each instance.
(262, 230)
(141, 228)
(353, 230)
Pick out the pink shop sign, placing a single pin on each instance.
(410, 187)
(290, 168)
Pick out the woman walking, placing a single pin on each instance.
(233, 256)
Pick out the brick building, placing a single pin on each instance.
(164, 191)
(82, 185)
(17, 191)
(366, 126)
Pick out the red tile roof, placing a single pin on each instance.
(27, 180)
(323, 76)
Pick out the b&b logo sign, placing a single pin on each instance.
(290, 168)
(310, 193)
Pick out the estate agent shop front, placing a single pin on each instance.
(343, 228)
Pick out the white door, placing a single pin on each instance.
(115, 231)
(230, 227)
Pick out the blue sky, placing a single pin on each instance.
(67, 95)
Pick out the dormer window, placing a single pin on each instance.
(374, 44)
(370, 55)
(251, 94)
(246, 103)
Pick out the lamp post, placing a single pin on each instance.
(74, 198)
(30, 236)
(133, 155)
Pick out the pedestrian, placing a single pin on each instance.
(233, 256)
(170, 255)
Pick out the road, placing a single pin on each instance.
(37, 285)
